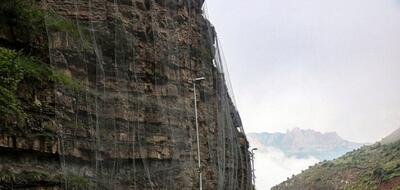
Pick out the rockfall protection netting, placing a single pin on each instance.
(128, 120)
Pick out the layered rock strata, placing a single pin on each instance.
(130, 123)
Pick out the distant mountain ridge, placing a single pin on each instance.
(304, 143)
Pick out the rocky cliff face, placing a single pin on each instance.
(128, 122)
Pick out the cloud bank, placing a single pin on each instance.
(272, 167)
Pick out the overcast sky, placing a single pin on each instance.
(328, 65)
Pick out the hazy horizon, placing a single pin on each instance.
(322, 65)
(322, 132)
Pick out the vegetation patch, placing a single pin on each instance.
(6, 176)
(16, 67)
(59, 23)
(26, 22)
(362, 169)
(22, 20)
(30, 178)
(77, 182)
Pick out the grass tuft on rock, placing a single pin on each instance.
(16, 67)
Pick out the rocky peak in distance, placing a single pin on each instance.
(304, 143)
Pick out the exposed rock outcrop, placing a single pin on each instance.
(129, 121)
(304, 143)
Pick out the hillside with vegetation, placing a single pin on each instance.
(368, 168)
(393, 137)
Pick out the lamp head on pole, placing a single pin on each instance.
(252, 150)
(199, 79)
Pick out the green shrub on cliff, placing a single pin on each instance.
(56, 22)
(6, 176)
(77, 182)
(21, 20)
(11, 75)
(15, 68)
(24, 21)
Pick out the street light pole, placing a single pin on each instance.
(253, 169)
(197, 130)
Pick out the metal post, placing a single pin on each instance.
(253, 169)
(197, 132)
(254, 177)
